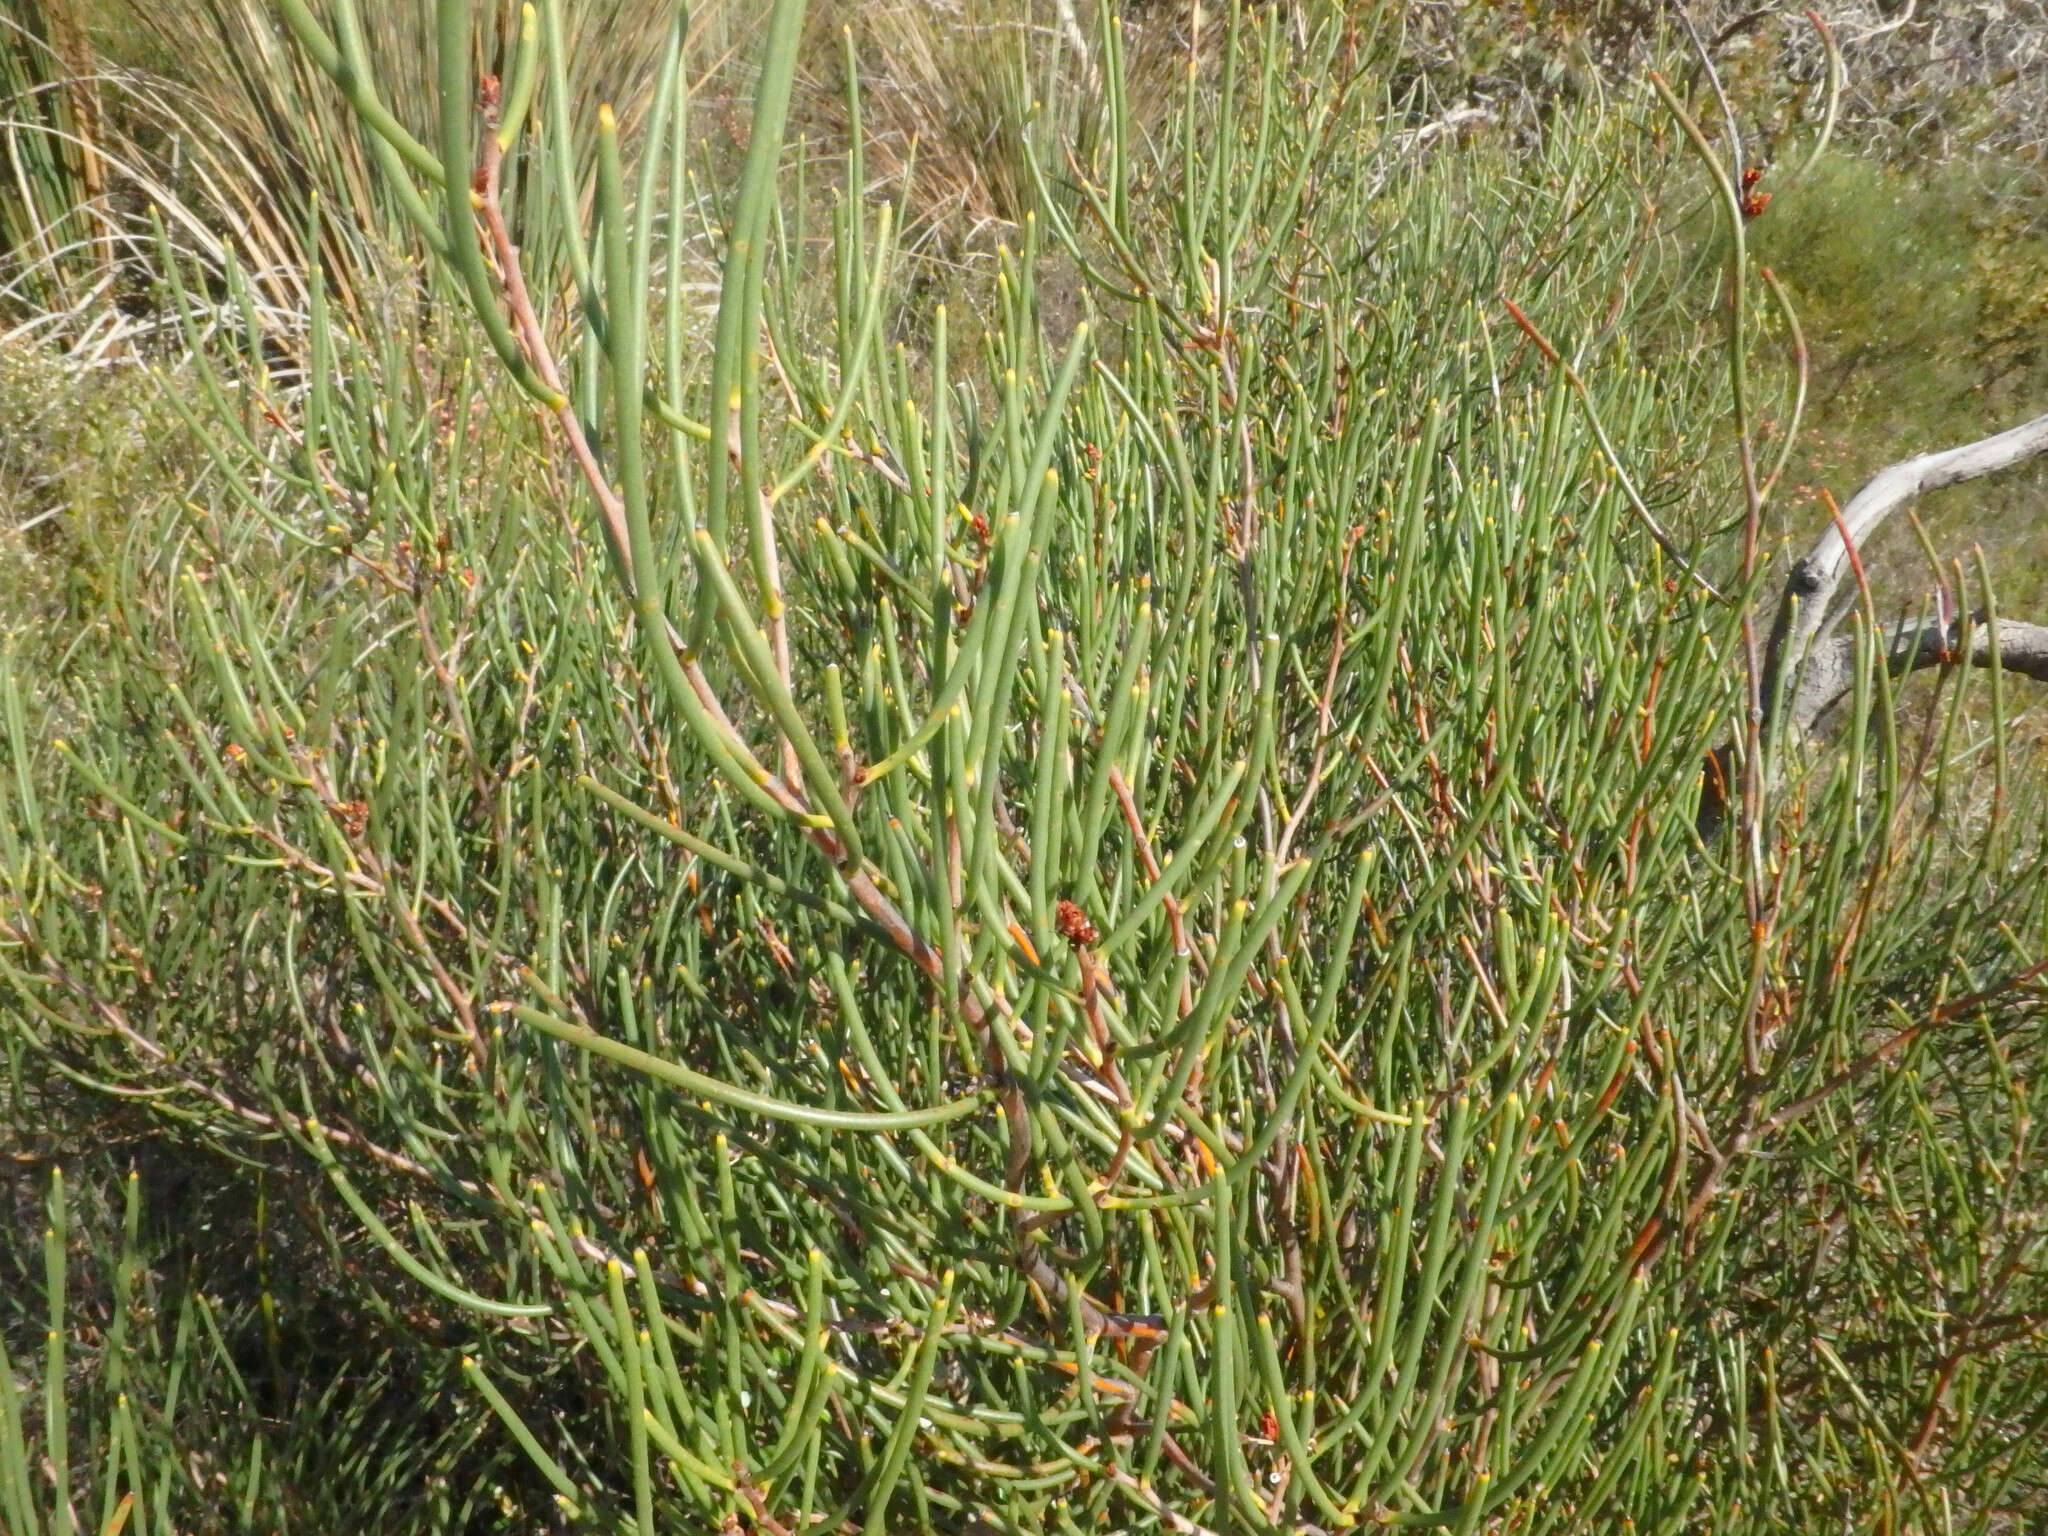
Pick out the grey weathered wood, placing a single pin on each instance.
(1801, 639)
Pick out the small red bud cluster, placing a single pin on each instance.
(1753, 201)
(1073, 925)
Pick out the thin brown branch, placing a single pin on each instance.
(1324, 704)
(1175, 921)
(533, 340)
(158, 1058)
(1607, 449)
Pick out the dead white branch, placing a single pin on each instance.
(1811, 668)
(1910, 646)
(1799, 639)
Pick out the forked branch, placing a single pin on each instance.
(1809, 667)
(1815, 667)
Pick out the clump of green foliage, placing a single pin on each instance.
(1909, 366)
(782, 922)
(137, 1393)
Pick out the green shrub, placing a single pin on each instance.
(1105, 934)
